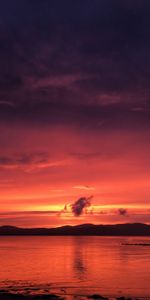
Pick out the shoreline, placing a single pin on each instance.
(7, 295)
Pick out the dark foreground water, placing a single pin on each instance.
(76, 265)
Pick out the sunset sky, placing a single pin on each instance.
(74, 111)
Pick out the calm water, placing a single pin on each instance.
(76, 264)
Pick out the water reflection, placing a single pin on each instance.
(101, 262)
(79, 263)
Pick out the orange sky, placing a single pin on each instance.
(51, 167)
(74, 111)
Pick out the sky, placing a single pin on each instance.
(74, 112)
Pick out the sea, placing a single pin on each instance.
(76, 265)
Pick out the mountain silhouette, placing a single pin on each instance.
(129, 229)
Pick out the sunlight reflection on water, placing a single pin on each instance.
(76, 264)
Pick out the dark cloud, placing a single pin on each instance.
(28, 161)
(79, 205)
(24, 158)
(82, 62)
(97, 117)
(122, 211)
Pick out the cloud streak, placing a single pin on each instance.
(29, 162)
(84, 187)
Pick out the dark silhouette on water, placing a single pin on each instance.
(137, 244)
(129, 229)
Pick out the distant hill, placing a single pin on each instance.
(129, 229)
